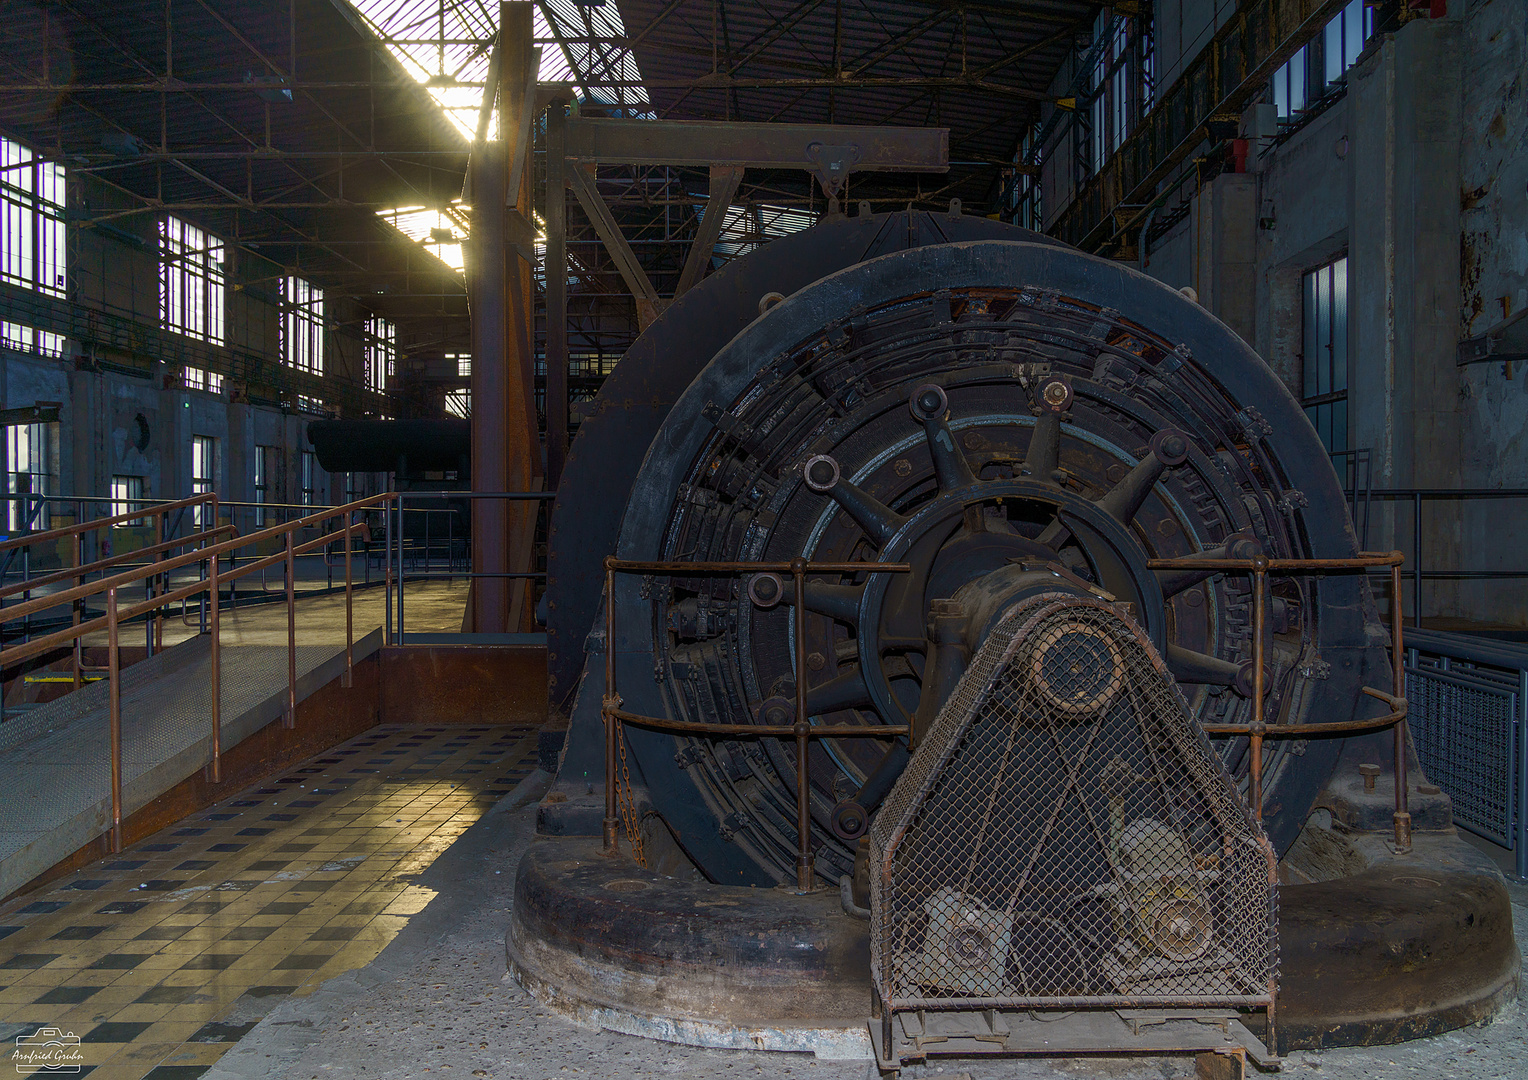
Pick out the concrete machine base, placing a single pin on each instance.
(1413, 945)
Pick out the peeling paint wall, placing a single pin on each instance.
(1493, 257)
(1419, 174)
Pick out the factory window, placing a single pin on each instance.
(1304, 78)
(302, 326)
(463, 364)
(127, 495)
(1121, 90)
(1025, 198)
(1289, 84)
(24, 338)
(1324, 354)
(28, 473)
(31, 220)
(266, 467)
(459, 403)
(381, 352)
(309, 462)
(195, 378)
(192, 284)
(204, 458)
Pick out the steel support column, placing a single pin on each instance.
(556, 273)
(492, 342)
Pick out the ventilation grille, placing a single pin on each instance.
(1064, 836)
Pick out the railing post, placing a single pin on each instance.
(163, 581)
(1416, 571)
(612, 702)
(76, 660)
(114, 668)
(805, 872)
(401, 638)
(1258, 726)
(349, 679)
(387, 573)
(1521, 852)
(1398, 690)
(290, 719)
(217, 671)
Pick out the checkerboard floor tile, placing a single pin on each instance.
(143, 954)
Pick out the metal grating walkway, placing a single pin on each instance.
(55, 760)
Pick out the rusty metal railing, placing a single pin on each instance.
(210, 552)
(78, 570)
(1260, 567)
(801, 729)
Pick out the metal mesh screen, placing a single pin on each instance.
(1065, 836)
(1464, 728)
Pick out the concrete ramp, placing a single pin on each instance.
(55, 761)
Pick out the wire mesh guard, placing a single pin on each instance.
(1463, 723)
(1065, 836)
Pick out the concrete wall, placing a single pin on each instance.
(1419, 175)
(1182, 29)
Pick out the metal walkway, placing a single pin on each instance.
(55, 760)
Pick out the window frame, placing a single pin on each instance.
(381, 352)
(307, 478)
(193, 284)
(302, 325)
(128, 493)
(204, 452)
(1324, 384)
(265, 462)
(38, 473)
(33, 212)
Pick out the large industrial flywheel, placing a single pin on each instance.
(1010, 423)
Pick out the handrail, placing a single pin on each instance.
(72, 572)
(158, 510)
(618, 795)
(801, 730)
(210, 554)
(1261, 566)
(214, 542)
(16, 611)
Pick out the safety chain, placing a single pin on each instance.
(628, 812)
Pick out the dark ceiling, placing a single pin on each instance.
(283, 126)
(981, 69)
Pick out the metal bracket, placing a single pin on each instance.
(1506, 343)
(832, 165)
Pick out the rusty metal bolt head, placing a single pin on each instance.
(1243, 545)
(1368, 772)
(849, 820)
(928, 403)
(1245, 677)
(766, 590)
(1056, 395)
(1170, 446)
(821, 472)
(776, 711)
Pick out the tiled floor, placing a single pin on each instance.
(161, 958)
